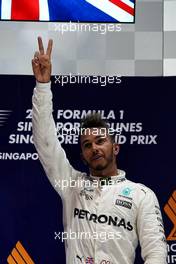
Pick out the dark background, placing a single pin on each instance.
(31, 210)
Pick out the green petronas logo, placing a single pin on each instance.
(126, 191)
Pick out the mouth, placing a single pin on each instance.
(97, 157)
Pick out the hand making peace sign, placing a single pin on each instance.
(41, 64)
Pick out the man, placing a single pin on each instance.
(104, 202)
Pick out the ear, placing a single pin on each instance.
(116, 148)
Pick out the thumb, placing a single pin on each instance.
(36, 68)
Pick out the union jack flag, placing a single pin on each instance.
(68, 10)
(89, 260)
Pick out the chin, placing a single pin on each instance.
(99, 167)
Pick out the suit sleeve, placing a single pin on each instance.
(51, 154)
(151, 230)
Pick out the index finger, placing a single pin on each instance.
(49, 48)
(40, 44)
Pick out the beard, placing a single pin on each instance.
(103, 165)
(100, 167)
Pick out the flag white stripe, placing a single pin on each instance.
(44, 11)
(6, 9)
(112, 10)
(129, 3)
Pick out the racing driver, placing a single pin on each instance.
(103, 201)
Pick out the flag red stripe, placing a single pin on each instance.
(124, 6)
(25, 10)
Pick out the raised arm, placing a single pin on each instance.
(51, 154)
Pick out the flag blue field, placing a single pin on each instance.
(122, 11)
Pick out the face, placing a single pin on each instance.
(98, 151)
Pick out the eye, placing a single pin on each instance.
(100, 141)
(87, 145)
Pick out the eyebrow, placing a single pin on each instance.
(87, 140)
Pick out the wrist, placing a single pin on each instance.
(43, 85)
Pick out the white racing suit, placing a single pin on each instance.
(107, 219)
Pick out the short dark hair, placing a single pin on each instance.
(94, 120)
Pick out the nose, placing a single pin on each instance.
(94, 147)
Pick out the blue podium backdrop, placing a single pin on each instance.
(31, 210)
